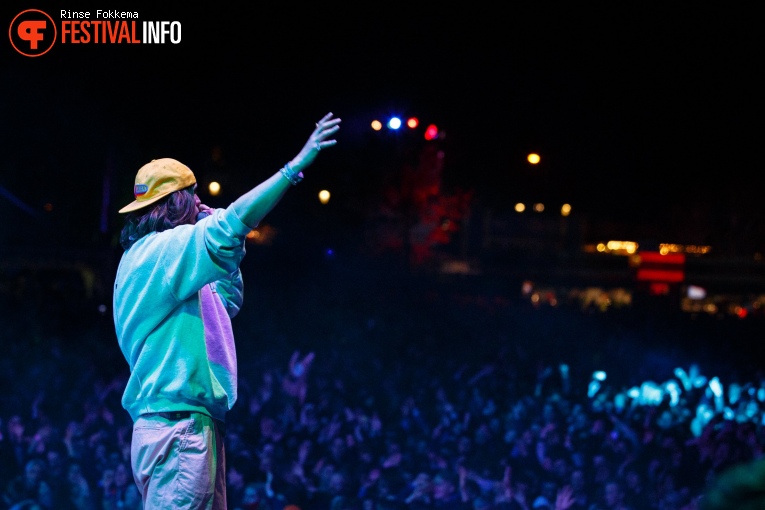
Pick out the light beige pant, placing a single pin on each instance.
(179, 464)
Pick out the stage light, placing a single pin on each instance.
(533, 158)
(376, 125)
(394, 123)
(696, 292)
(323, 196)
(214, 188)
(431, 133)
(412, 122)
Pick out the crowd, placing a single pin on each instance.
(408, 396)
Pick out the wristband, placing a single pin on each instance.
(291, 175)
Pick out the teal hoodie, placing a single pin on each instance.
(174, 295)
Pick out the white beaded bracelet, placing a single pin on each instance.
(291, 175)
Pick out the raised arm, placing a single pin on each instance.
(253, 206)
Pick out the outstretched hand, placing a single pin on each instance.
(565, 498)
(320, 139)
(299, 368)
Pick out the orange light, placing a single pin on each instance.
(533, 158)
(376, 125)
(413, 122)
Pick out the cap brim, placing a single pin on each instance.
(136, 204)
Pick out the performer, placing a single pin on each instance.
(177, 286)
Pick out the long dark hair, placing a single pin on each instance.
(175, 209)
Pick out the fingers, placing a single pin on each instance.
(325, 131)
(328, 121)
(329, 128)
(323, 145)
(325, 128)
(327, 124)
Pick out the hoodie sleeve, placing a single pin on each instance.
(207, 252)
(231, 292)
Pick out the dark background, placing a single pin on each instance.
(641, 113)
(647, 118)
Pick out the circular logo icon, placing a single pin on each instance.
(32, 33)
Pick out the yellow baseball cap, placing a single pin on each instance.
(157, 179)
